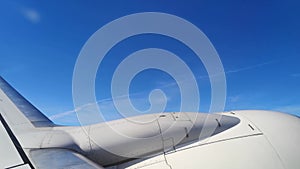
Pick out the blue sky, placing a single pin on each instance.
(258, 43)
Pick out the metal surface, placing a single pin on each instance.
(8, 150)
(262, 140)
(61, 158)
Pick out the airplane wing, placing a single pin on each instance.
(17, 117)
(19, 112)
(13, 156)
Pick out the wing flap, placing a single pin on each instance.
(60, 158)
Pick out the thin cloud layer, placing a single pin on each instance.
(31, 15)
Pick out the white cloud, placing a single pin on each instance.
(31, 15)
(235, 70)
(233, 99)
(61, 115)
(295, 75)
(248, 67)
(107, 106)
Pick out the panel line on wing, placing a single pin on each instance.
(16, 142)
